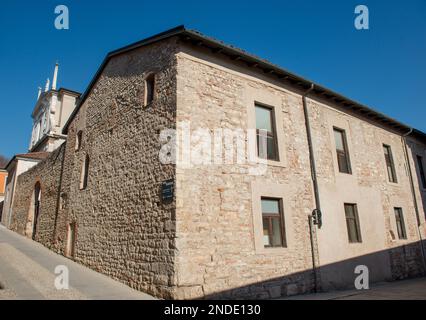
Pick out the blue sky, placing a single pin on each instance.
(384, 67)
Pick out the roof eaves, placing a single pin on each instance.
(253, 61)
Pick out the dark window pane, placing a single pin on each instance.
(266, 235)
(342, 162)
(276, 232)
(390, 166)
(149, 87)
(421, 171)
(400, 225)
(342, 151)
(352, 223)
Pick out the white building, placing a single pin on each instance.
(50, 113)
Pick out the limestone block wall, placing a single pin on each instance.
(218, 225)
(217, 252)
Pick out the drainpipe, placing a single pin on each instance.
(413, 191)
(315, 217)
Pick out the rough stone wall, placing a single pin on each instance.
(217, 257)
(47, 173)
(123, 228)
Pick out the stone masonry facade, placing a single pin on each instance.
(206, 242)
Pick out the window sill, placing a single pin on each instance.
(272, 251)
(271, 163)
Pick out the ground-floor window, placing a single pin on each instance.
(352, 223)
(273, 223)
(71, 237)
(400, 225)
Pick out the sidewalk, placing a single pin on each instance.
(411, 289)
(27, 272)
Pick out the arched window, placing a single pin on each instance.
(78, 139)
(84, 173)
(35, 208)
(149, 88)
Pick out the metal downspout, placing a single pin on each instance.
(316, 192)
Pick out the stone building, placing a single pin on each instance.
(315, 184)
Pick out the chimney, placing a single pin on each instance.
(39, 93)
(55, 76)
(47, 85)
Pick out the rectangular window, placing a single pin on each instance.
(267, 147)
(273, 223)
(342, 151)
(400, 225)
(390, 166)
(421, 171)
(352, 223)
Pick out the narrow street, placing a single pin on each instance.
(27, 271)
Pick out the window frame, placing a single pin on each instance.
(357, 223)
(399, 217)
(84, 175)
(345, 151)
(150, 78)
(272, 134)
(78, 140)
(394, 178)
(422, 172)
(270, 216)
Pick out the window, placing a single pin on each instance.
(400, 225)
(273, 223)
(78, 139)
(390, 166)
(71, 239)
(342, 151)
(352, 223)
(84, 173)
(267, 147)
(149, 89)
(421, 171)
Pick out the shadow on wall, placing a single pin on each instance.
(420, 170)
(401, 262)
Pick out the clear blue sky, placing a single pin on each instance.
(384, 67)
